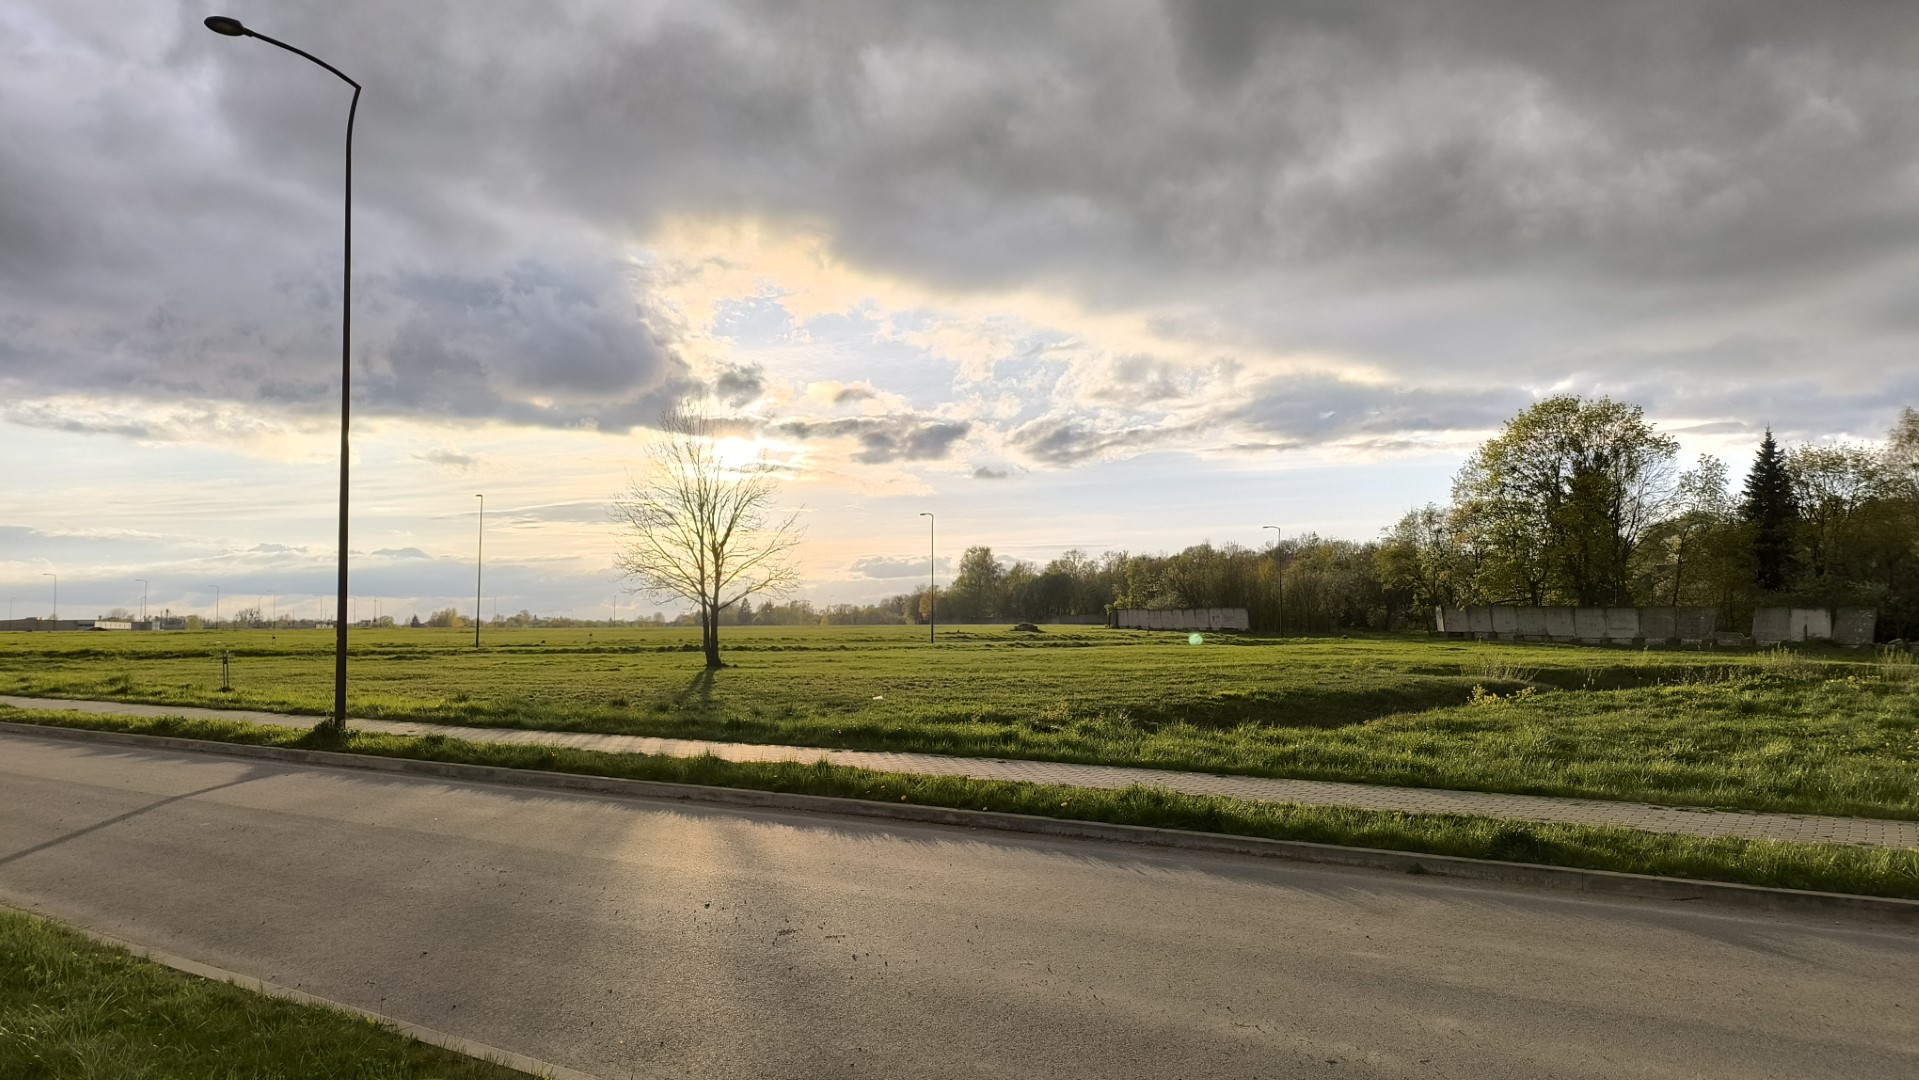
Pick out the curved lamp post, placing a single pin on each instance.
(221, 24)
(932, 594)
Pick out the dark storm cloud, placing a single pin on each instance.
(1312, 411)
(1276, 414)
(1488, 189)
(737, 386)
(533, 344)
(903, 438)
(452, 459)
(1063, 442)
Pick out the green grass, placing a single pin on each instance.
(1824, 867)
(1831, 732)
(71, 1007)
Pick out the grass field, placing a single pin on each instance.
(1830, 732)
(73, 1008)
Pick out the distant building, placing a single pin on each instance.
(36, 625)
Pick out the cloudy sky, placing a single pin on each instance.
(1105, 275)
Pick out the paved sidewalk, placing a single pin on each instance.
(1807, 828)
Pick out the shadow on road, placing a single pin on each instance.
(251, 775)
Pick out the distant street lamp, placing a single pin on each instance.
(932, 591)
(56, 596)
(1279, 585)
(143, 598)
(230, 27)
(216, 604)
(479, 563)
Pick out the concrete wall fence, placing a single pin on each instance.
(1218, 618)
(1841, 626)
(1593, 625)
(1657, 625)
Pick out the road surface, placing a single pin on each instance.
(627, 938)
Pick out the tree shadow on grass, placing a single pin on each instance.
(698, 690)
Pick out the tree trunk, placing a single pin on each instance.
(710, 636)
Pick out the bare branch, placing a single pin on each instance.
(695, 529)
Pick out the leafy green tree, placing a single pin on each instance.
(976, 589)
(1698, 527)
(1419, 565)
(1902, 451)
(1557, 503)
(1841, 492)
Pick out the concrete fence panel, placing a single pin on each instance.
(1561, 624)
(1505, 621)
(1659, 623)
(1622, 624)
(1480, 619)
(1695, 624)
(1589, 623)
(1771, 625)
(1854, 626)
(1182, 619)
(1811, 624)
(1529, 622)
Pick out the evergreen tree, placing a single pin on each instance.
(1770, 511)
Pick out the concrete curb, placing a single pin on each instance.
(1598, 882)
(431, 1036)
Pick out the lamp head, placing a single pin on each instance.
(221, 24)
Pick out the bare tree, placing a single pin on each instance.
(699, 529)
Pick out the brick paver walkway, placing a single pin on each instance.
(1814, 828)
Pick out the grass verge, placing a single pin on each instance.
(1823, 867)
(1789, 731)
(72, 1007)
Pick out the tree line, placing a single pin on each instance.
(1574, 502)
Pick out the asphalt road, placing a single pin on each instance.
(633, 939)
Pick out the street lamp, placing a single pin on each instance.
(143, 598)
(1279, 582)
(56, 596)
(932, 593)
(479, 563)
(216, 604)
(221, 24)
